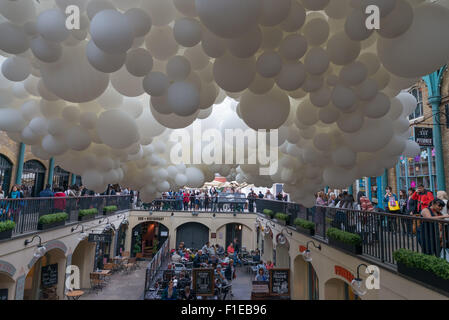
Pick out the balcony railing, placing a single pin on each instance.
(382, 233)
(26, 212)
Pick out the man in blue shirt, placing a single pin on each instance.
(47, 193)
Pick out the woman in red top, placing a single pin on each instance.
(60, 203)
(231, 249)
(269, 265)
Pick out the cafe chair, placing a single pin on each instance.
(96, 283)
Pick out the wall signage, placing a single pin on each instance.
(424, 136)
(344, 273)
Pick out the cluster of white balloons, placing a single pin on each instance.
(101, 98)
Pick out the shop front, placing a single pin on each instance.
(103, 247)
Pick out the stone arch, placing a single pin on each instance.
(194, 234)
(338, 289)
(33, 285)
(7, 282)
(305, 280)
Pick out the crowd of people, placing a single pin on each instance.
(213, 199)
(418, 203)
(223, 262)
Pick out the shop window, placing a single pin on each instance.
(417, 93)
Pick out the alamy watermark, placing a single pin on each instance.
(236, 147)
(372, 21)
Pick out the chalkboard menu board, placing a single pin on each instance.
(3, 294)
(424, 136)
(280, 282)
(203, 282)
(49, 275)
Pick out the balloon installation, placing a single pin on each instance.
(105, 99)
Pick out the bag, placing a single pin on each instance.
(416, 224)
(393, 205)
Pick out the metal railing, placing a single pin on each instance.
(223, 204)
(154, 266)
(382, 233)
(26, 212)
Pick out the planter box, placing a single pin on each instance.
(307, 232)
(6, 235)
(50, 225)
(424, 276)
(86, 218)
(354, 249)
(281, 222)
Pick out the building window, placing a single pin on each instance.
(5, 173)
(418, 170)
(417, 93)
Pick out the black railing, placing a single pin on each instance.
(154, 268)
(382, 233)
(26, 212)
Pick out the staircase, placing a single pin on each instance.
(148, 252)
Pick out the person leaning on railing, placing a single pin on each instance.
(430, 241)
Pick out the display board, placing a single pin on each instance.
(49, 275)
(203, 282)
(424, 136)
(280, 282)
(93, 237)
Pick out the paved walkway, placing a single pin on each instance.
(131, 286)
(121, 286)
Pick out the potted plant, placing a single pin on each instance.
(426, 268)
(87, 214)
(347, 241)
(6, 228)
(109, 209)
(281, 218)
(304, 226)
(269, 213)
(53, 220)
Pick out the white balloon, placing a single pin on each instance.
(162, 12)
(85, 83)
(378, 107)
(161, 43)
(156, 84)
(292, 76)
(234, 74)
(103, 61)
(183, 98)
(267, 111)
(16, 69)
(246, 45)
(11, 120)
(399, 55)
(13, 39)
(45, 50)
(51, 25)
(139, 62)
(195, 177)
(187, 32)
(342, 50)
(316, 31)
(78, 139)
(117, 129)
(111, 31)
(293, 47)
(178, 68)
(412, 149)
(127, 84)
(229, 18)
(140, 21)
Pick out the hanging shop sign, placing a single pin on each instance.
(424, 136)
(344, 273)
(98, 237)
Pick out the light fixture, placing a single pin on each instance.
(240, 227)
(306, 254)
(83, 235)
(357, 283)
(102, 220)
(40, 250)
(281, 239)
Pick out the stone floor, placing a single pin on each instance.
(121, 286)
(131, 286)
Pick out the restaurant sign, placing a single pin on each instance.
(344, 273)
(424, 136)
(93, 237)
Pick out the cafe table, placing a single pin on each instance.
(120, 261)
(102, 273)
(74, 295)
